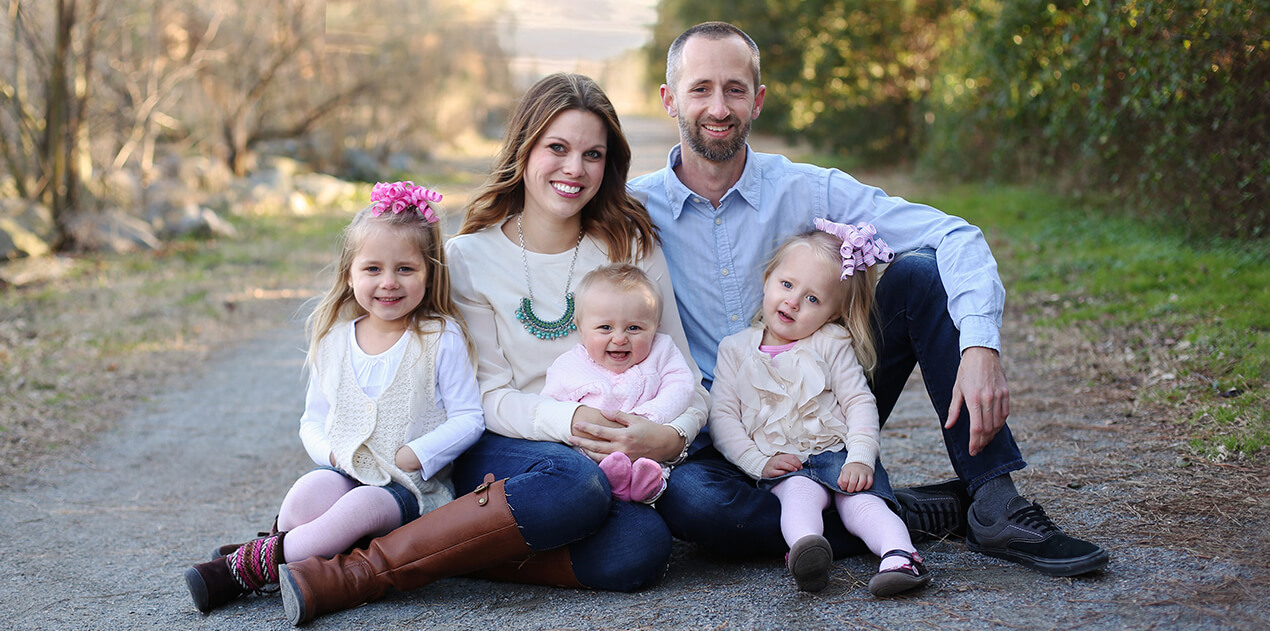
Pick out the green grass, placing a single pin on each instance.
(1204, 307)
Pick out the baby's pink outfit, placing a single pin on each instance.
(659, 388)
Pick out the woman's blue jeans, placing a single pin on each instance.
(711, 502)
(560, 497)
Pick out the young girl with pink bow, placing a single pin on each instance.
(392, 399)
(792, 406)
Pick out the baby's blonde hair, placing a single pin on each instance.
(855, 309)
(621, 276)
(340, 305)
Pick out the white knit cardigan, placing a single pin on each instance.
(365, 433)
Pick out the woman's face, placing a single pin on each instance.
(566, 166)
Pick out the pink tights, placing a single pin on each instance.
(866, 516)
(325, 513)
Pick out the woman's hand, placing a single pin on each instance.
(406, 459)
(855, 477)
(630, 434)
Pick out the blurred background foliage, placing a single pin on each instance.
(1154, 108)
(1159, 107)
(88, 87)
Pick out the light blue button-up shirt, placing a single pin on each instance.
(717, 255)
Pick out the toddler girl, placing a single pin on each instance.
(385, 412)
(792, 407)
(622, 363)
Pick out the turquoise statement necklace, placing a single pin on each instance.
(536, 326)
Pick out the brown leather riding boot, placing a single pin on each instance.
(553, 568)
(473, 532)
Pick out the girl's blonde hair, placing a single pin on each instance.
(855, 311)
(340, 305)
(612, 215)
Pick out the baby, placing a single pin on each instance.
(622, 363)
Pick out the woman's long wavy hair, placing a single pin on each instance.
(612, 216)
(340, 305)
(857, 304)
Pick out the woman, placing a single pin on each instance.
(554, 208)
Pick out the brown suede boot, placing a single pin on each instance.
(473, 532)
(249, 568)
(553, 568)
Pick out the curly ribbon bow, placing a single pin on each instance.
(861, 247)
(402, 196)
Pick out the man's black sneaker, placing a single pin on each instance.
(1028, 537)
(936, 510)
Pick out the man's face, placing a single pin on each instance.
(715, 100)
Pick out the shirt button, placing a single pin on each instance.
(718, 221)
(725, 271)
(697, 200)
(734, 317)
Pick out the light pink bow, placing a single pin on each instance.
(861, 247)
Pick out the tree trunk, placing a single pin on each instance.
(56, 155)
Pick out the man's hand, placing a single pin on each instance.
(780, 464)
(981, 386)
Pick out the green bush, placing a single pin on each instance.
(1163, 103)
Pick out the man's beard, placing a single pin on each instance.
(715, 150)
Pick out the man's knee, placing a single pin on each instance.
(914, 270)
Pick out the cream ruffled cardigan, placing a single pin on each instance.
(810, 399)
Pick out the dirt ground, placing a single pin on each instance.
(97, 537)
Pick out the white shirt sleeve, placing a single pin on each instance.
(313, 423)
(458, 394)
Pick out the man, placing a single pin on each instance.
(722, 209)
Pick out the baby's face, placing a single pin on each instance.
(617, 327)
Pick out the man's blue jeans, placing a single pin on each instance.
(711, 502)
(560, 497)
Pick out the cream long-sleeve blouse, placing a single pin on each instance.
(488, 283)
(810, 399)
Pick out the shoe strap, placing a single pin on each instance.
(913, 557)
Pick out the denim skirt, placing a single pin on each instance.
(824, 469)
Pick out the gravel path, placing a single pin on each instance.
(101, 541)
(103, 544)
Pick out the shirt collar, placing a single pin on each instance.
(748, 187)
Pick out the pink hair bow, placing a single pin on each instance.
(861, 246)
(402, 196)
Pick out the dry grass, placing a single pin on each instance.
(78, 352)
(1138, 457)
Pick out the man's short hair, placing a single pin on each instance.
(709, 30)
